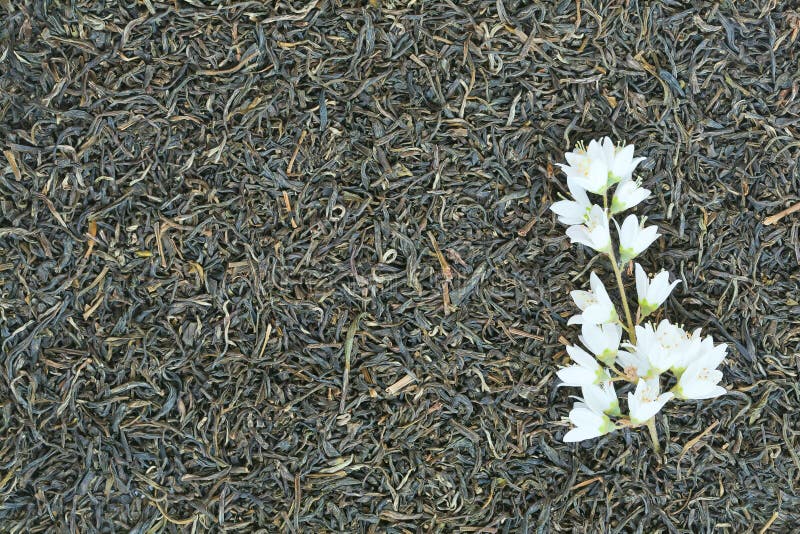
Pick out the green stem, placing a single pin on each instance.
(620, 286)
(651, 426)
(623, 325)
(622, 295)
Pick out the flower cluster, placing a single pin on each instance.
(650, 350)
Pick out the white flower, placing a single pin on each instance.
(588, 423)
(571, 212)
(701, 378)
(595, 305)
(634, 364)
(603, 340)
(601, 398)
(594, 232)
(645, 401)
(586, 370)
(652, 294)
(588, 167)
(634, 238)
(627, 195)
(661, 346)
(688, 352)
(620, 161)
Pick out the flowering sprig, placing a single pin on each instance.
(650, 350)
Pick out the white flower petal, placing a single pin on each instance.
(627, 195)
(601, 398)
(583, 299)
(582, 415)
(602, 340)
(576, 376)
(700, 378)
(587, 169)
(578, 193)
(645, 401)
(569, 212)
(594, 233)
(633, 364)
(586, 371)
(661, 345)
(581, 434)
(597, 314)
(588, 423)
(598, 289)
(580, 234)
(642, 282)
(582, 358)
(575, 319)
(633, 239)
(652, 293)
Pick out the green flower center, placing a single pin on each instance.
(626, 254)
(608, 356)
(600, 376)
(607, 426)
(617, 205)
(646, 308)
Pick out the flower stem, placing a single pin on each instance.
(618, 273)
(651, 426)
(622, 296)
